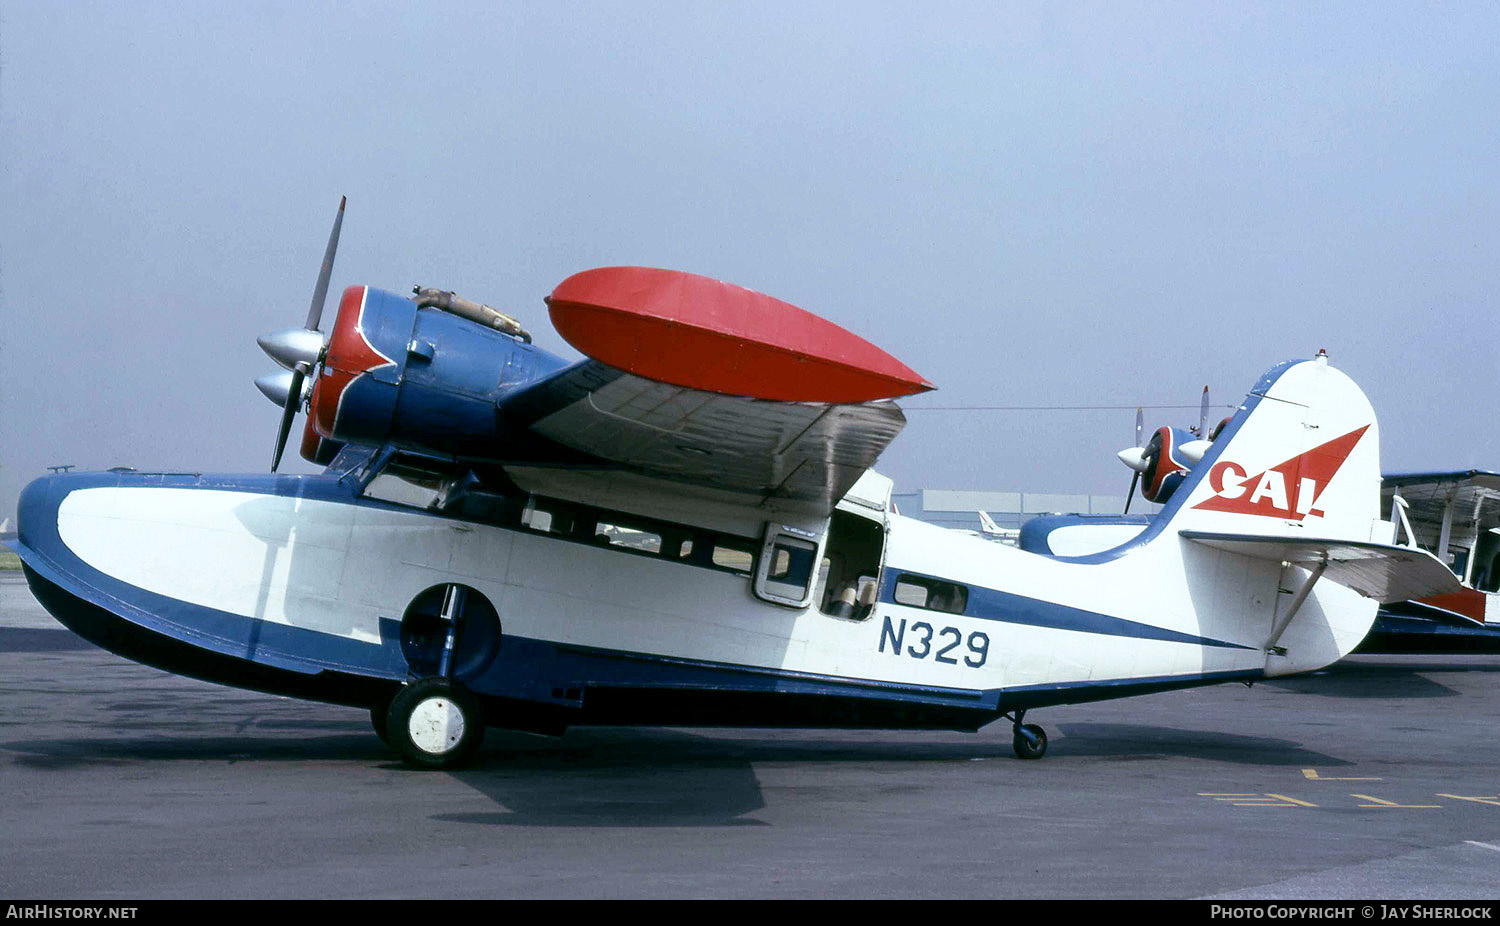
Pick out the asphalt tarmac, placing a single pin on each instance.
(1378, 779)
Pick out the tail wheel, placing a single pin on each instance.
(435, 723)
(1030, 741)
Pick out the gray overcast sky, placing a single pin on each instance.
(1067, 204)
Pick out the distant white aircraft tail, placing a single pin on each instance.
(988, 525)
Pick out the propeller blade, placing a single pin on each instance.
(320, 292)
(288, 412)
(1202, 431)
(1140, 427)
(1133, 480)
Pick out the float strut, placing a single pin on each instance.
(453, 609)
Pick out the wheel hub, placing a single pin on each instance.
(436, 725)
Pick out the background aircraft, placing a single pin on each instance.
(1456, 515)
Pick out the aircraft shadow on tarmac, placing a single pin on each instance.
(1137, 741)
(41, 640)
(79, 753)
(640, 777)
(645, 777)
(1367, 680)
(635, 778)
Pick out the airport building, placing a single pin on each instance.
(960, 508)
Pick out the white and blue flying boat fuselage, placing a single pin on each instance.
(683, 536)
(323, 587)
(298, 585)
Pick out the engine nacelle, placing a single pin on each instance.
(1166, 466)
(418, 378)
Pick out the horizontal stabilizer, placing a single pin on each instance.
(1376, 570)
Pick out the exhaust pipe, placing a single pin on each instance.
(473, 311)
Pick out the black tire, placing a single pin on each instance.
(435, 723)
(378, 715)
(1030, 748)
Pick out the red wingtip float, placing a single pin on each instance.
(700, 333)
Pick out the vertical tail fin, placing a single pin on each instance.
(1300, 458)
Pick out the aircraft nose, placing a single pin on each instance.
(36, 515)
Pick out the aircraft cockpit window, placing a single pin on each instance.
(932, 594)
(405, 485)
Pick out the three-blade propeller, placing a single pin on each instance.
(1141, 456)
(298, 350)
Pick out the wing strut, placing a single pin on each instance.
(1297, 600)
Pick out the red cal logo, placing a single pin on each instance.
(1287, 491)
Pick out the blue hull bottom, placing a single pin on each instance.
(138, 644)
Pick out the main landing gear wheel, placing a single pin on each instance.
(435, 723)
(1028, 740)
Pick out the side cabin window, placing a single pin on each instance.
(788, 565)
(610, 534)
(932, 594)
(547, 517)
(641, 536)
(733, 557)
(468, 498)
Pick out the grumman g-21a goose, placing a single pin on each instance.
(683, 529)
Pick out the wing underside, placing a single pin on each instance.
(808, 453)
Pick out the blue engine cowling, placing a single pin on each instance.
(418, 378)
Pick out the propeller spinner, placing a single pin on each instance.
(1164, 456)
(298, 350)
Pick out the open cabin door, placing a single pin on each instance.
(838, 573)
(849, 578)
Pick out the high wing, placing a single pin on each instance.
(800, 452)
(698, 382)
(1467, 500)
